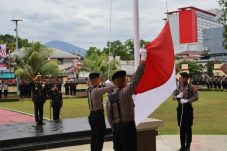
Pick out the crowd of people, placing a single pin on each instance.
(4, 88)
(217, 82)
(25, 86)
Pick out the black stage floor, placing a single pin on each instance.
(29, 136)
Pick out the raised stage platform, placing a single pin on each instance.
(28, 136)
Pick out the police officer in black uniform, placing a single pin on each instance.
(66, 85)
(56, 102)
(96, 117)
(39, 98)
(185, 94)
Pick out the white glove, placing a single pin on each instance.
(143, 53)
(108, 83)
(183, 101)
(180, 95)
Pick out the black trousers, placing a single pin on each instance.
(5, 93)
(125, 137)
(98, 129)
(56, 113)
(66, 91)
(185, 122)
(38, 112)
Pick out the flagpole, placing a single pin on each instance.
(136, 32)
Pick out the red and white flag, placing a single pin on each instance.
(158, 81)
(3, 51)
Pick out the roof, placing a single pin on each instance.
(190, 54)
(198, 9)
(191, 7)
(57, 53)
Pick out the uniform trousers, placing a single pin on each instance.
(38, 112)
(125, 136)
(56, 112)
(98, 129)
(185, 124)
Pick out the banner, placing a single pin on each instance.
(3, 57)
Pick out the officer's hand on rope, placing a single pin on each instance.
(180, 95)
(143, 53)
(183, 101)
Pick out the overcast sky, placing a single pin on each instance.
(86, 22)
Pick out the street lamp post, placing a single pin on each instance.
(16, 22)
(16, 29)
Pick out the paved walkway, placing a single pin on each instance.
(169, 143)
(10, 117)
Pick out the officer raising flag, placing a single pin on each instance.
(120, 108)
(96, 117)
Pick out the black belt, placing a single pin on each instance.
(124, 124)
(97, 111)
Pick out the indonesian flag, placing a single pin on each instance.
(158, 81)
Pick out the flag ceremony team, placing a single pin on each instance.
(119, 107)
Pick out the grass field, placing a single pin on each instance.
(210, 112)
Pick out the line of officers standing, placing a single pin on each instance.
(217, 82)
(40, 92)
(25, 87)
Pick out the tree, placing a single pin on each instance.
(124, 50)
(223, 20)
(193, 66)
(96, 62)
(33, 60)
(92, 50)
(116, 49)
(10, 42)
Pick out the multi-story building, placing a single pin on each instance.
(187, 25)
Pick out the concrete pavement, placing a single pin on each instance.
(169, 143)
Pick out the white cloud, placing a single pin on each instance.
(86, 22)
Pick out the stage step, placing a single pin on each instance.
(47, 144)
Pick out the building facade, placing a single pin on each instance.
(187, 25)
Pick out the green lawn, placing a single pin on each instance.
(210, 112)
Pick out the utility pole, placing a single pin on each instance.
(16, 29)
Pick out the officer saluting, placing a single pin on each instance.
(96, 117)
(39, 98)
(56, 102)
(120, 108)
(185, 94)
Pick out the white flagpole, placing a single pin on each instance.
(136, 32)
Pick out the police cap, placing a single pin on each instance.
(120, 73)
(184, 74)
(94, 75)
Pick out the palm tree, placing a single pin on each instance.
(33, 60)
(99, 63)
